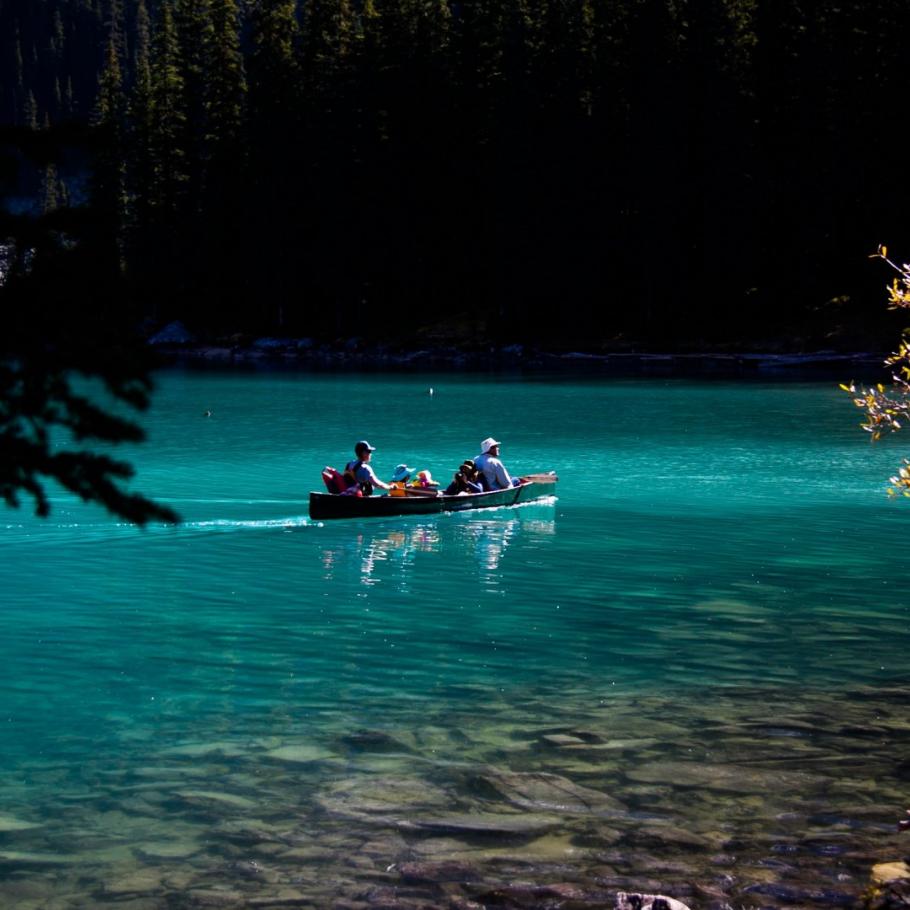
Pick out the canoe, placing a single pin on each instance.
(325, 506)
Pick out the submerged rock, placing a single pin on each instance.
(794, 894)
(542, 791)
(11, 823)
(380, 798)
(561, 739)
(302, 754)
(728, 778)
(213, 897)
(200, 750)
(167, 850)
(520, 894)
(484, 825)
(204, 797)
(448, 871)
(21, 858)
(144, 881)
(673, 837)
(373, 741)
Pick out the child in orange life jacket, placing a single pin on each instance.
(399, 479)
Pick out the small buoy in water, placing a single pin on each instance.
(206, 413)
(430, 391)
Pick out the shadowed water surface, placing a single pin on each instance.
(685, 673)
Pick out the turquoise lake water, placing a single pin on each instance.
(721, 572)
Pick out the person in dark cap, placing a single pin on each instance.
(360, 472)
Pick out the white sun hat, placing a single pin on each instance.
(488, 444)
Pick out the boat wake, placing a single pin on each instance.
(229, 524)
(490, 510)
(75, 530)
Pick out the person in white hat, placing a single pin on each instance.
(495, 475)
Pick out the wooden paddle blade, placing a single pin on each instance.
(541, 478)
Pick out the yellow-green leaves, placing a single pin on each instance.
(886, 407)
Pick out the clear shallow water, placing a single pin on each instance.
(721, 584)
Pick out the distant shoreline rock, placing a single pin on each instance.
(177, 346)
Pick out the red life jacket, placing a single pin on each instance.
(335, 481)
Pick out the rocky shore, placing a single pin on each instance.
(543, 799)
(177, 345)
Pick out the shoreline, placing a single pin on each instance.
(269, 353)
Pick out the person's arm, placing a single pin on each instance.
(374, 480)
(502, 475)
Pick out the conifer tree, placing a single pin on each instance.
(111, 97)
(224, 201)
(140, 152)
(68, 101)
(168, 118)
(142, 44)
(225, 83)
(276, 144)
(50, 190)
(193, 24)
(274, 69)
(109, 174)
(30, 113)
(327, 34)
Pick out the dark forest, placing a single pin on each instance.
(554, 172)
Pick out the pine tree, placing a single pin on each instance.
(68, 103)
(274, 97)
(30, 113)
(140, 153)
(142, 44)
(111, 98)
(115, 29)
(226, 81)
(226, 173)
(193, 23)
(50, 197)
(168, 118)
(326, 40)
(58, 36)
(109, 175)
(274, 70)
(18, 61)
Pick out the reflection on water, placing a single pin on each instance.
(388, 555)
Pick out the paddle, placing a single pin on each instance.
(549, 477)
(417, 491)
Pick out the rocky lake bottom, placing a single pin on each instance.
(727, 798)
